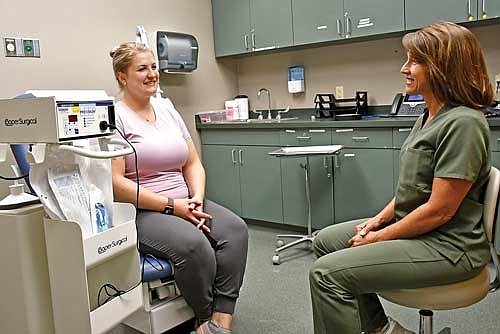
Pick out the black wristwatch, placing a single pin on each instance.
(169, 209)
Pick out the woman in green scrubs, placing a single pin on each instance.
(431, 232)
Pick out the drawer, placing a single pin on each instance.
(399, 136)
(262, 137)
(363, 137)
(305, 137)
(495, 139)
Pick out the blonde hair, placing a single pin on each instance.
(455, 63)
(123, 55)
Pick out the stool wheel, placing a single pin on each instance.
(276, 259)
(279, 243)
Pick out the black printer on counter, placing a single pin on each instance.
(326, 105)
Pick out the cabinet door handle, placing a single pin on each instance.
(233, 157)
(404, 129)
(337, 160)
(322, 27)
(347, 25)
(253, 41)
(289, 131)
(302, 137)
(326, 167)
(344, 130)
(484, 14)
(350, 155)
(339, 27)
(246, 41)
(265, 48)
(317, 130)
(240, 156)
(362, 139)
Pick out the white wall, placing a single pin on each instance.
(76, 37)
(371, 65)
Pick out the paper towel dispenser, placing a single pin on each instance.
(176, 52)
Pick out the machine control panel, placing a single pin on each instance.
(81, 119)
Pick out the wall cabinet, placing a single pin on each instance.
(419, 13)
(243, 26)
(271, 24)
(316, 21)
(246, 26)
(231, 22)
(369, 17)
(488, 9)
(322, 20)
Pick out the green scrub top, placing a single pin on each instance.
(454, 144)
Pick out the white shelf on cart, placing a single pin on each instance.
(79, 267)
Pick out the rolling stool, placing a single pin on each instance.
(164, 307)
(460, 294)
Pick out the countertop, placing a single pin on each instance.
(372, 122)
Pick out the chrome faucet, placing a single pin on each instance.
(268, 100)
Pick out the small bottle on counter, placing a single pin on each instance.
(232, 110)
(242, 102)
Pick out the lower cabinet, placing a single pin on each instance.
(399, 136)
(222, 176)
(244, 179)
(363, 182)
(395, 159)
(295, 207)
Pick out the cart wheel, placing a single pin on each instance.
(279, 243)
(276, 259)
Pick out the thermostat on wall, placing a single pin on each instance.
(296, 79)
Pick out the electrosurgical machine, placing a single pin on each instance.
(56, 266)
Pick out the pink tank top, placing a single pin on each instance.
(161, 147)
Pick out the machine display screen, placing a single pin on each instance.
(72, 118)
(414, 98)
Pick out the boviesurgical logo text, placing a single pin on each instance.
(114, 243)
(20, 121)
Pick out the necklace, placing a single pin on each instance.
(149, 115)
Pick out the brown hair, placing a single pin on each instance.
(455, 63)
(123, 56)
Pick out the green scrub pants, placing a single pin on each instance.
(344, 280)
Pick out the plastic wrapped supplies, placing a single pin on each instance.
(75, 188)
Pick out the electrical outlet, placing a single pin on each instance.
(10, 47)
(339, 92)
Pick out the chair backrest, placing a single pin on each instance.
(490, 202)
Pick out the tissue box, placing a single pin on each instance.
(212, 116)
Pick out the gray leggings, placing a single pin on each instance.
(209, 279)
